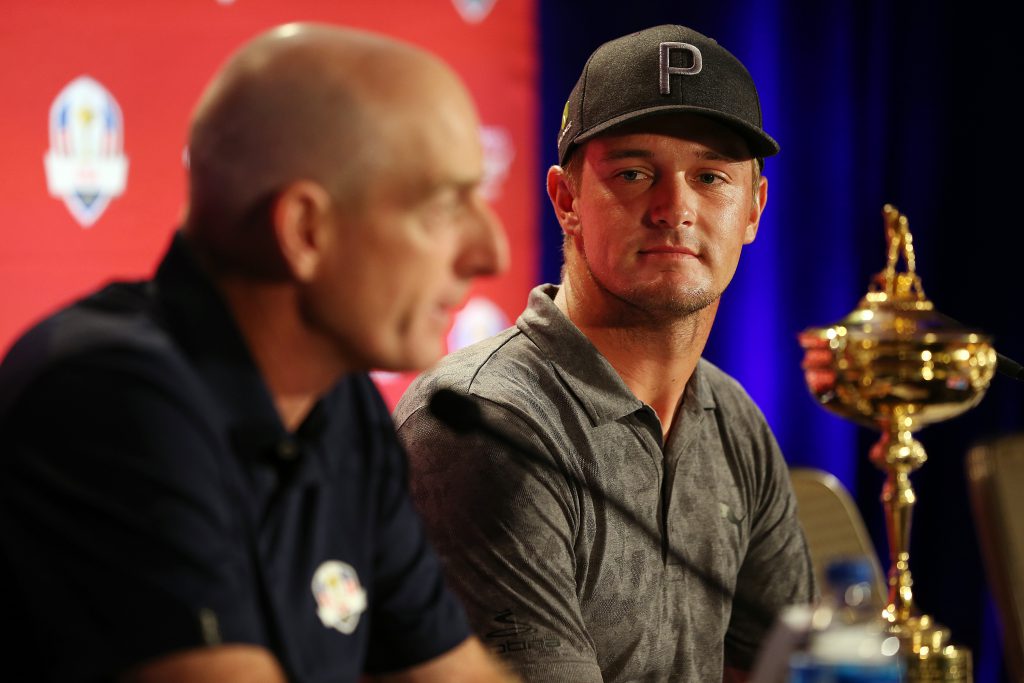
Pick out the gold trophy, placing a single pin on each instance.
(895, 364)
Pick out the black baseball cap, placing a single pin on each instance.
(660, 70)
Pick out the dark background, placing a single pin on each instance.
(911, 103)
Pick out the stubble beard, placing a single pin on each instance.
(671, 305)
(657, 302)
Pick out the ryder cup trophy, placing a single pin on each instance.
(896, 365)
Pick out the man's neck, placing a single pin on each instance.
(654, 358)
(297, 365)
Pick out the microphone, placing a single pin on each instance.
(1004, 365)
(462, 414)
(458, 412)
(1009, 367)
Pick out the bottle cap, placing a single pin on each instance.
(849, 571)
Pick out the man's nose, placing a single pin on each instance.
(674, 202)
(485, 250)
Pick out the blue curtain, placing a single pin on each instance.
(873, 101)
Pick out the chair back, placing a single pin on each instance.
(995, 470)
(832, 524)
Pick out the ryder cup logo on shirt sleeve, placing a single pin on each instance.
(340, 599)
(85, 165)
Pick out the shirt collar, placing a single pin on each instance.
(588, 374)
(196, 315)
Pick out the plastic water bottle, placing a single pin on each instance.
(847, 641)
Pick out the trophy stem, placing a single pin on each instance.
(898, 453)
(928, 656)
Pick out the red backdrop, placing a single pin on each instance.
(154, 58)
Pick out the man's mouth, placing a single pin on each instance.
(669, 250)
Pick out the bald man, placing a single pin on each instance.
(198, 480)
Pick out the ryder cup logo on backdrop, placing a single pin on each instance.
(474, 11)
(85, 165)
(498, 155)
(479, 319)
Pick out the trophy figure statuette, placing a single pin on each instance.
(895, 364)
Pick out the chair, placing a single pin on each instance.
(995, 472)
(832, 523)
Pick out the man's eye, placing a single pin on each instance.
(632, 176)
(709, 178)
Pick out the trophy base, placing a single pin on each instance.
(929, 657)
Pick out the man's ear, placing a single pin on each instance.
(756, 209)
(563, 200)
(300, 217)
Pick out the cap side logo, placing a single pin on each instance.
(566, 123)
(665, 68)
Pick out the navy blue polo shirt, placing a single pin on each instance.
(151, 501)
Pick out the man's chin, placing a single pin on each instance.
(678, 303)
(415, 358)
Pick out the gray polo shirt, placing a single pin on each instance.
(555, 578)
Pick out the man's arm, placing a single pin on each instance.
(467, 663)
(505, 530)
(220, 664)
(776, 570)
(113, 523)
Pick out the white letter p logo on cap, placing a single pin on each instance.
(666, 70)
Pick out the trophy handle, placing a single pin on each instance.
(894, 284)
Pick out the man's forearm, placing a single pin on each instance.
(466, 663)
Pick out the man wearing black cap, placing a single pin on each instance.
(658, 189)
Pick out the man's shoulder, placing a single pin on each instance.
(114, 327)
(485, 369)
(119, 314)
(728, 393)
(747, 437)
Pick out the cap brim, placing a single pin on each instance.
(758, 142)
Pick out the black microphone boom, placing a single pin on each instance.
(1009, 367)
(1005, 365)
(458, 412)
